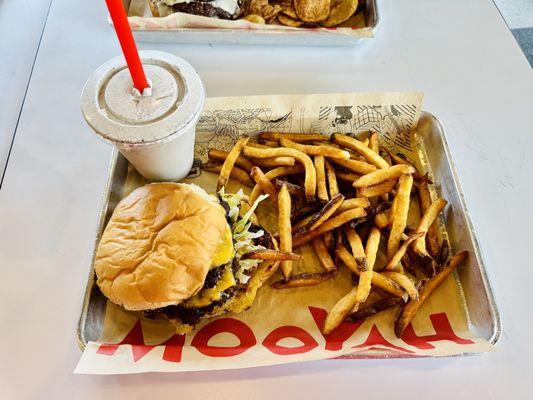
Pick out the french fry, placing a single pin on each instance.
(355, 202)
(236, 173)
(301, 223)
(365, 278)
(332, 180)
(229, 162)
(321, 189)
(269, 143)
(322, 215)
(294, 190)
(382, 219)
(311, 150)
(404, 282)
(378, 280)
(284, 227)
(323, 255)
(398, 215)
(411, 308)
(397, 257)
(273, 162)
(295, 137)
(424, 198)
(310, 174)
(358, 251)
(329, 225)
(377, 190)
(309, 208)
(270, 255)
(425, 222)
(273, 174)
(266, 186)
(366, 142)
(370, 155)
(382, 175)
(328, 239)
(374, 144)
(339, 311)
(302, 280)
(357, 166)
(240, 162)
(347, 176)
(374, 308)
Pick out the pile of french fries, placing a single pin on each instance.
(349, 199)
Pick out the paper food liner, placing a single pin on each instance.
(141, 18)
(283, 326)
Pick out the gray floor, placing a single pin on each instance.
(519, 17)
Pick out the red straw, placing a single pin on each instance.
(129, 48)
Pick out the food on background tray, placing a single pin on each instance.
(294, 13)
(173, 251)
(352, 200)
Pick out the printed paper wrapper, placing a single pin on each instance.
(141, 18)
(283, 326)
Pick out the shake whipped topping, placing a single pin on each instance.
(154, 130)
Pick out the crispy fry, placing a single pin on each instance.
(266, 186)
(309, 208)
(310, 174)
(382, 219)
(339, 311)
(412, 307)
(377, 190)
(273, 162)
(240, 162)
(302, 280)
(347, 176)
(398, 215)
(229, 162)
(374, 308)
(332, 180)
(426, 221)
(294, 190)
(397, 257)
(424, 198)
(322, 215)
(374, 144)
(382, 175)
(236, 173)
(348, 204)
(273, 174)
(403, 281)
(295, 137)
(356, 244)
(378, 280)
(329, 239)
(284, 227)
(269, 143)
(310, 150)
(370, 155)
(365, 278)
(360, 167)
(321, 189)
(366, 142)
(301, 223)
(270, 255)
(323, 255)
(329, 225)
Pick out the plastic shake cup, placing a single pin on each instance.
(154, 130)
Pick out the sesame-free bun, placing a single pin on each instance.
(158, 245)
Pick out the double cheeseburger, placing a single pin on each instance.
(223, 9)
(173, 251)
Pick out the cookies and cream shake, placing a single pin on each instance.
(154, 130)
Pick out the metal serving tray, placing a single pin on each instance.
(480, 307)
(303, 36)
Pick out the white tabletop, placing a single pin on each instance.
(476, 80)
(21, 26)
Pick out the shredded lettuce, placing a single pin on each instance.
(243, 238)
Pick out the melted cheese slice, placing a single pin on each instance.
(224, 252)
(207, 296)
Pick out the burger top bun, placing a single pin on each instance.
(157, 248)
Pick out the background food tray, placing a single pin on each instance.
(479, 305)
(300, 36)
